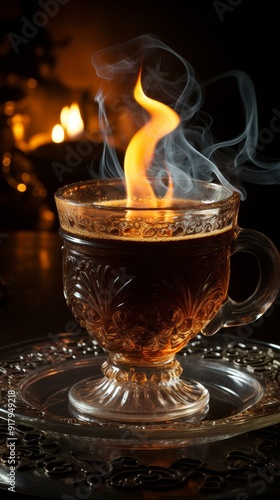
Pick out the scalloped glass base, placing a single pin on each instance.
(140, 394)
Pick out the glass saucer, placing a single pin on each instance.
(242, 378)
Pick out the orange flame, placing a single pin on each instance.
(140, 151)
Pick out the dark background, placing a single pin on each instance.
(214, 36)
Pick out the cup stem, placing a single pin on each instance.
(141, 393)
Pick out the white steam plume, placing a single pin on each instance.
(191, 151)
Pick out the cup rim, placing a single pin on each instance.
(232, 196)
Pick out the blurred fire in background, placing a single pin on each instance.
(39, 114)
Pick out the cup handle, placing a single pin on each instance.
(234, 313)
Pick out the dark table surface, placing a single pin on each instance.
(30, 263)
(33, 307)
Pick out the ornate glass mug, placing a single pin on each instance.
(144, 282)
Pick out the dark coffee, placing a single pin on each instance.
(146, 299)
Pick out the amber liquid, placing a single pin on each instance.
(145, 299)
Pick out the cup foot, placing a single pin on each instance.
(141, 398)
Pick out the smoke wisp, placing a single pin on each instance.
(191, 151)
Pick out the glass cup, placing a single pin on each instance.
(144, 282)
